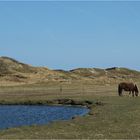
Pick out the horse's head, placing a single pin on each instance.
(136, 90)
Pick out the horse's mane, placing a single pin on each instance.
(136, 88)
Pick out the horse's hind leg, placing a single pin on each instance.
(129, 93)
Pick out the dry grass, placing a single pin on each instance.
(118, 118)
(50, 90)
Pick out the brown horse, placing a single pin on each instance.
(131, 87)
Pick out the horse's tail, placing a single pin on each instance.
(119, 90)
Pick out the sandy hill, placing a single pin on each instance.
(15, 72)
(114, 72)
(11, 66)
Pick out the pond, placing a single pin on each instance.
(21, 115)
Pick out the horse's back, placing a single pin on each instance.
(127, 86)
(124, 84)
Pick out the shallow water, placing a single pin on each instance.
(20, 115)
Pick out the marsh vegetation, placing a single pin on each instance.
(118, 117)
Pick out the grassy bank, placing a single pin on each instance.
(117, 118)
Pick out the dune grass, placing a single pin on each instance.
(118, 118)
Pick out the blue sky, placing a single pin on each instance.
(67, 35)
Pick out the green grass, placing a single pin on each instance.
(118, 118)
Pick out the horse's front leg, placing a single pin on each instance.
(133, 93)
